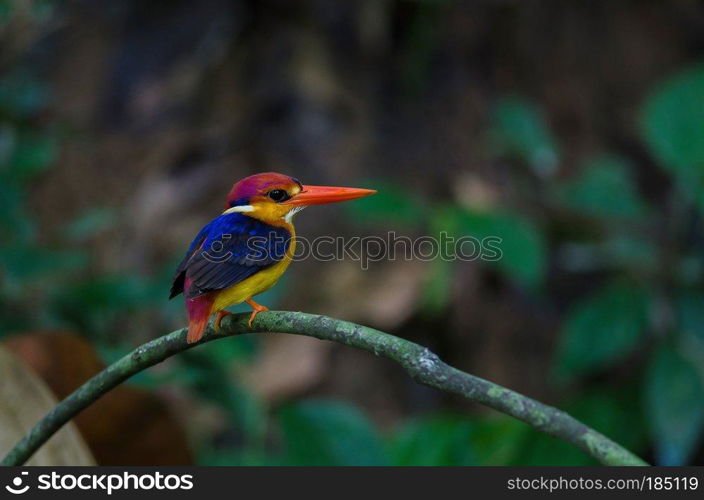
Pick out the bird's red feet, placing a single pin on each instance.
(257, 308)
(221, 314)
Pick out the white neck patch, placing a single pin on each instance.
(289, 215)
(239, 209)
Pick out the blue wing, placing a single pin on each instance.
(229, 249)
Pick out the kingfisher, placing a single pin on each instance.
(244, 251)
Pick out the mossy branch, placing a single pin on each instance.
(421, 364)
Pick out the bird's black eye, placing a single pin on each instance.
(278, 195)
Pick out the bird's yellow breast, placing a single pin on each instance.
(255, 284)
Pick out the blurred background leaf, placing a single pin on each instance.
(329, 433)
(391, 206)
(519, 130)
(604, 188)
(674, 391)
(601, 330)
(670, 123)
(523, 252)
(434, 440)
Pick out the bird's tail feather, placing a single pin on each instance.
(199, 310)
(196, 327)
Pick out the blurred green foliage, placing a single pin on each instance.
(672, 128)
(329, 433)
(603, 188)
(519, 131)
(51, 281)
(644, 306)
(602, 330)
(673, 391)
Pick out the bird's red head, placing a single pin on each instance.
(257, 188)
(273, 197)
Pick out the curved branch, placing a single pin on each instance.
(421, 364)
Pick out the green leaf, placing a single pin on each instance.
(601, 330)
(674, 399)
(329, 433)
(671, 124)
(33, 153)
(690, 315)
(108, 292)
(91, 303)
(390, 205)
(5, 10)
(522, 250)
(24, 263)
(541, 450)
(523, 247)
(16, 225)
(437, 292)
(497, 439)
(519, 130)
(614, 412)
(226, 356)
(433, 440)
(604, 188)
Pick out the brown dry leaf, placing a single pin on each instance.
(289, 365)
(385, 298)
(24, 400)
(127, 426)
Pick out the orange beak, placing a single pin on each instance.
(318, 195)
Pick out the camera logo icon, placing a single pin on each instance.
(16, 487)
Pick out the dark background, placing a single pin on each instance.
(572, 130)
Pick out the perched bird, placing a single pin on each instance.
(244, 251)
